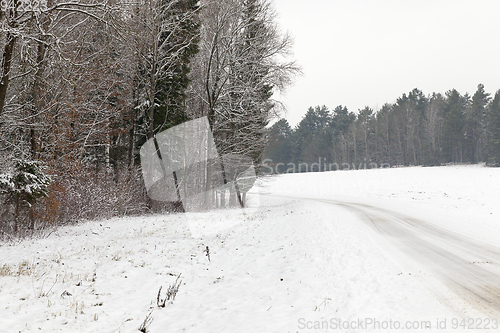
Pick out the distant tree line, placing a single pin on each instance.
(415, 130)
(84, 84)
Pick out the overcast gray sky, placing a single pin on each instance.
(368, 52)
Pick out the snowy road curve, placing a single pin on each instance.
(467, 267)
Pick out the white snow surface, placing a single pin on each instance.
(285, 265)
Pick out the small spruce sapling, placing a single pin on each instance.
(23, 187)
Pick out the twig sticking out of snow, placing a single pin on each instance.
(145, 324)
(324, 303)
(171, 292)
(207, 250)
(41, 293)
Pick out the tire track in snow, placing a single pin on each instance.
(468, 268)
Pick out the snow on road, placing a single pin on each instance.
(288, 265)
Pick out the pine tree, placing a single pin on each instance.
(341, 123)
(434, 128)
(279, 148)
(493, 131)
(474, 126)
(365, 124)
(453, 127)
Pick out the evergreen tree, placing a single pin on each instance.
(181, 43)
(493, 131)
(166, 44)
(474, 126)
(342, 119)
(383, 135)
(306, 142)
(341, 123)
(434, 129)
(279, 148)
(409, 116)
(416, 127)
(453, 127)
(23, 187)
(365, 124)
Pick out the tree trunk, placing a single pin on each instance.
(106, 157)
(6, 64)
(16, 215)
(223, 198)
(37, 94)
(133, 120)
(32, 218)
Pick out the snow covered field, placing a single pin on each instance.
(286, 265)
(464, 198)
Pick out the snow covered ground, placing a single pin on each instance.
(285, 265)
(465, 197)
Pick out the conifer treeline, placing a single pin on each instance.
(415, 130)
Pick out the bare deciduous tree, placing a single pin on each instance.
(241, 63)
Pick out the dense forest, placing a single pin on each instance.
(416, 130)
(84, 84)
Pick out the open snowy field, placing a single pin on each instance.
(304, 259)
(466, 196)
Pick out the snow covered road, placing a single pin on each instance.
(467, 267)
